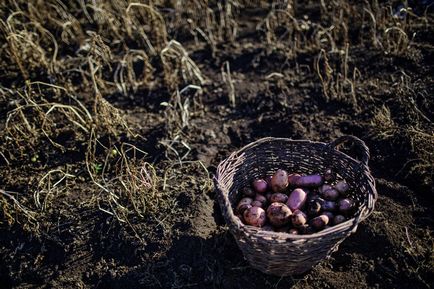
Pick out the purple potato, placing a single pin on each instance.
(262, 199)
(260, 186)
(248, 192)
(330, 195)
(268, 180)
(296, 199)
(329, 206)
(298, 218)
(255, 216)
(278, 214)
(292, 179)
(243, 204)
(279, 198)
(324, 188)
(268, 196)
(319, 222)
(310, 181)
(342, 187)
(338, 219)
(346, 206)
(314, 207)
(306, 229)
(257, 204)
(328, 214)
(279, 181)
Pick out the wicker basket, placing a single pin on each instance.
(284, 254)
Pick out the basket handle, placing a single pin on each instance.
(364, 150)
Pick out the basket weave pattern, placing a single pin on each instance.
(283, 254)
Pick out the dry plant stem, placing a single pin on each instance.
(90, 160)
(107, 117)
(227, 78)
(20, 127)
(190, 73)
(375, 40)
(45, 186)
(177, 115)
(132, 189)
(336, 85)
(157, 21)
(171, 146)
(324, 73)
(388, 31)
(4, 157)
(227, 28)
(124, 75)
(31, 215)
(27, 46)
(421, 143)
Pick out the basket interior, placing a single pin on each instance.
(303, 157)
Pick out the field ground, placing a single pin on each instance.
(115, 114)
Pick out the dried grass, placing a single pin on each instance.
(86, 52)
(178, 66)
(337, 83)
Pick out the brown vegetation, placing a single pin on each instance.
(114, 114)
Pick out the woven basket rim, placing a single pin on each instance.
(349, 225)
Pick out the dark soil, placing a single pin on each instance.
(80, 246)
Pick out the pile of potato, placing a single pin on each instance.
(295, 204)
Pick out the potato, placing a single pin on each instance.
(309, 181)
(245, 200)
(292, 179)
(298, 218)
(262, 199)
(346, 206)
(306, 229)
(257, 204)
(268, 180)
(329, 206)
(314, 207)
(319, 222)
(278, 198)
(330, 195)
(260, 186)
(243, 204)
(328, 214)
(293, 231)
(255, 216)
(329, 175)
(278, 214)
(268, 196)
(279, 181)
(248, 192)
(342, 187)
(324, 188)
(296, 199)
(338, 219)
